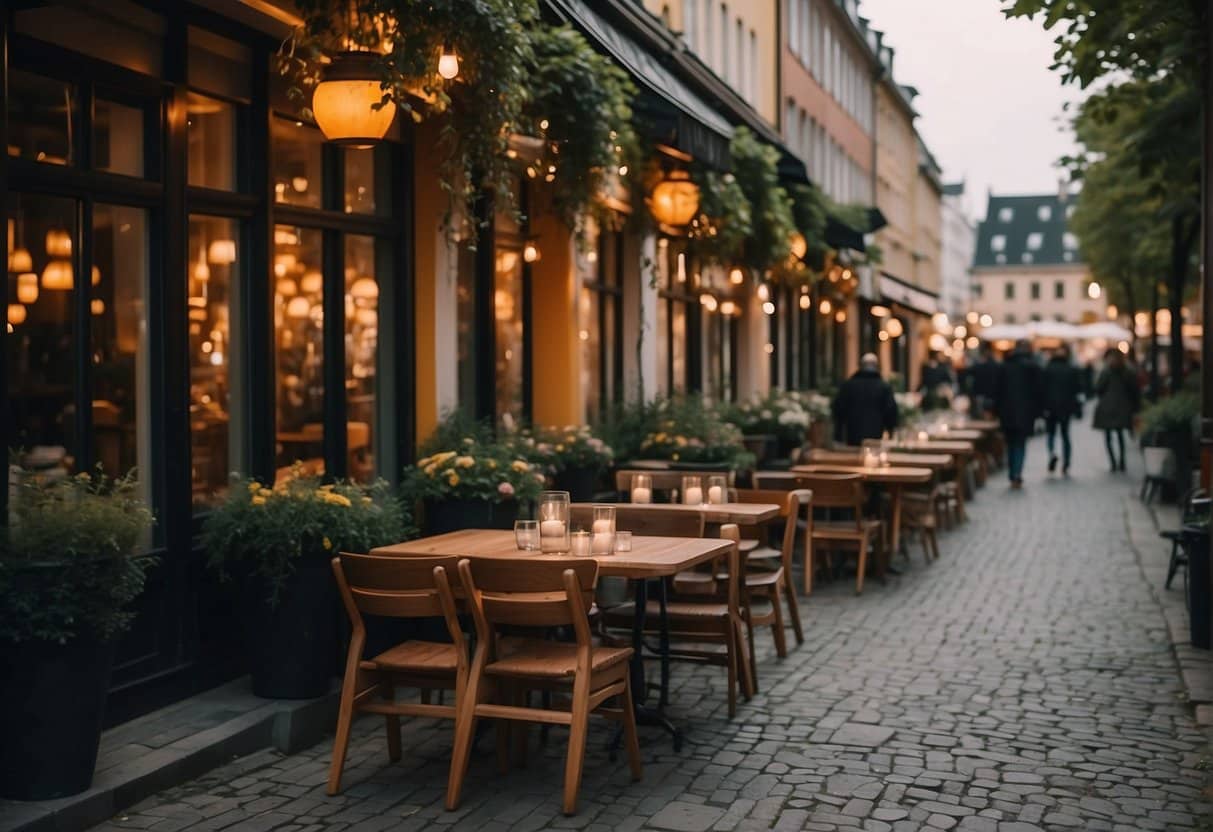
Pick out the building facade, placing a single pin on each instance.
(959, 247)
(1028, 267)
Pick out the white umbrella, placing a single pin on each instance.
(1059, 330)
(1107, 330)
(1004, 332)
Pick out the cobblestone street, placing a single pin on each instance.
(1024, 681)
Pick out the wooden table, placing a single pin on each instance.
(963, 450)
(959, 434)
(650, 557)
(935, 462)
(743, 514)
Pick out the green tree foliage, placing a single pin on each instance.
(756, 167)
(725, 220)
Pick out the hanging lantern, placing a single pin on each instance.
(530, 252)
(97, 306)
(27, 287)
(221, 252)
(675, 199)
(365, 288)
(96, 276)
(58, 243)
(16, 314)
(346, 102)
(57, 276)
(799, 245)
(448, 63)
(19, 260)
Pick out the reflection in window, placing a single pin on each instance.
(597, 323)
(591, 346)
(41, 342)
(296, 160)
(362, 193)
(117, 138)
(299, 329)
(508, 352)
(465, 332)
(42, 119)
(212, 296)
(361, 340)
(121, 421)
(212, 142)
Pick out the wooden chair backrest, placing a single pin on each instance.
(829, 490)
(790, 503)
(529, 592)
(731, 564)
(669, 522)
(392, 586)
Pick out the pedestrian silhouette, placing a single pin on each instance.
(1062, 388)
(1119, 398)
(1018, 404)
(864, 407)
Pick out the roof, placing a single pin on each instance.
(1026, 231)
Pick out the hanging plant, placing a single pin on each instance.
(809, 211)
(581, 106)
(756, 166)
(491, 42)
(718, 234)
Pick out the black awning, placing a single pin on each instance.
(840, 235)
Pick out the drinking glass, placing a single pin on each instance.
(692, 490)
(526, 535)
(602, 540)
(718, 489)
(642, 488)
(554, 521)
(623, 541)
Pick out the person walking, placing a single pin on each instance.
(1017, 403)
(1119, 397)
(937, 383)
(983, 382)
(864, 407)
(1062, 388)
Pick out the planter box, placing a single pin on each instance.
(442, 516)
(293, 645)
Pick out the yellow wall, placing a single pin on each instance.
(928, 242)
(896, 175)
(556, 358)
(431, 206)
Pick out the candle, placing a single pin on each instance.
(640, 494)
(602, 543)
(922, 436)
(551, 528)
(715, 495)
(694, 496)
(580, 544)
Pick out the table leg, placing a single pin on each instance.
(646, 715)
(639, 689)
(663, 646)
(895, 536)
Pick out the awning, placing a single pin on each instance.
(841, 233)
(904, 294)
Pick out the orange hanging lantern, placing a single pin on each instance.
(675, 200)
(346, 102)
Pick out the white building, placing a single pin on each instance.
(959, 247)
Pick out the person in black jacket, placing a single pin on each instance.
(864, 407)
(983, 382)
(1017, 403)
(1062, 386)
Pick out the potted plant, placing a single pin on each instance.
(817, 403)
(780, 417)
(477, 485)
(688, 433)
(1171, 423)
(280, 541)
(69, 570)
(576, 458)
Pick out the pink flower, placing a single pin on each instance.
(505, 489)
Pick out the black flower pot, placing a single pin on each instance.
(579, 482)
(52, 703)
(442, 516)
(1200, 605)
(292, 644)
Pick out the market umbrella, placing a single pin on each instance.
(1004, 332)
(1105, 329)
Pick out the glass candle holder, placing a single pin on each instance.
(623, 541)
(602, 532)
(718, 489)
(579, 544)
(554, 521)
(871, 453)
(692, 490)
(526, 535)
(642, 488)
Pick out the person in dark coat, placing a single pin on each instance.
(937, 383)
(1017, 403)
(1119, 398)
(983, 381)
(864, 407)
(1063, 385)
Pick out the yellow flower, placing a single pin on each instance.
(570, 438)
(661, 437)
(680, 441)
(520, 466)
(464, 462)
(491, 464)
(430, 469)
(559, 448)
(366, 501)
(328, 544)
(258, 500)
(335, 499)
(452, 479)
(254, 487)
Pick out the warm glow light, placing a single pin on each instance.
(1094, 290)
(222, 252)
(299, 183)
(986, 320)
(728, 308)
(768, 348)
(894, 327)
(27, 287)
(826, 306)
(972, 342)
(298, 308)
(972, 317)
(285, 237)
(764, 292)
(287, 288)
(365, 288)
(58, 243)
(880, 311)
(806, 302)
(16, 314)
(312, 282)
(202, 272)
(736, 276)
(958, 345)
(448, 63)
(1123, 346)
(530, 252)
(346, 103)
(840, 316)
(882, 335)
(57, 276)
(940, 321)
(97, 306)
(708, 302)
(19, 260)
(938, 341)
(960, 332)
(675, 199)
(1113, 312)
(799, 245)
(367, 317)
(768, 308)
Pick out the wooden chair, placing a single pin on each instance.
(840, 492)
(920, 514)
(769, 573)
(533, 593)
(414, 587)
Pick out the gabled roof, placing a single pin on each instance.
(1026, 231)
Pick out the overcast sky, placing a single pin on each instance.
(990, 109)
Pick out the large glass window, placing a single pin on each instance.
(600, 324)
(212, 142)
(508, 351)
(677, 286)
(42, 115)
(361, 350)
(297, 163)
(117, 137)
(299, 347)
(213, 300)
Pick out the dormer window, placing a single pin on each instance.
(1069, 241)
(1044, 213)
(998, 242)
(1006, 214)
(1035, 241)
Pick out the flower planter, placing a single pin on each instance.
(579, 482)
(1196, 542)
(442, 516)
(759, 444)
(292, 645)
(52, 704)
(819, 434)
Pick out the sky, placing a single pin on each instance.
(990, 109)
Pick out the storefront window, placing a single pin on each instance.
(117, 138)
(362, 192)
(40, 350)
(121, 370)
(296, 160)
(465, 330)
(590, 336)
(599, 324)
(361, 345)
(212, 142)
(42, 119)
(508, 312)
(299, 348)
(212, 280)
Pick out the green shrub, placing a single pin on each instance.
(1173, 414)
(679, 429)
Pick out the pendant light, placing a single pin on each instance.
(221, 252)
(448, 62)
(347, 103)
(19, 260)
(365, 288)
(57, 276)
(675, 199)
(58, 243)
(16, 314)
(27, 287)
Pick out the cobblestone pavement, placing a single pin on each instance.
(1024, 681)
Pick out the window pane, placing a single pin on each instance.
(299, 326)
(591, 344)
(366, 190)
(465, 334)
(219, 65)
(42, 118)
(361, 342)
(118, 138)
(507, 308)
(212, 143)
(41, 345)
(212, 278)
(296, 163)
(678, 345)
(121, 370)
